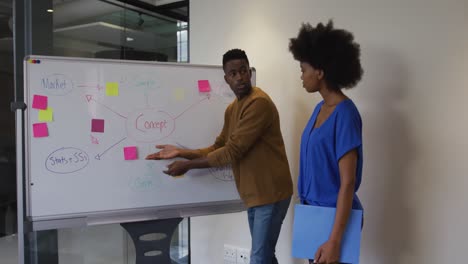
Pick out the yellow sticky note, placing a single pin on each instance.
(112, 89)
(46, 115)
(179, 94)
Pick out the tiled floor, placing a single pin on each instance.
(9, 250)
(92, 245)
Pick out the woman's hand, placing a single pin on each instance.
(328, 253)
(167, 152)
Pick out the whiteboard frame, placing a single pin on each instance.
(114, 216)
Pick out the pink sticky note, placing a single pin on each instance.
(204, 86)
(40, 130)
(39, 102)
(130, 153)
(97, 125)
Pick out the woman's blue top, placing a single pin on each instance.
(321, 150)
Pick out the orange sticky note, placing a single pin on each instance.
(204, 86)
(40, 130)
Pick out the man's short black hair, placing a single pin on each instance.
(331, 50)
(234, 54)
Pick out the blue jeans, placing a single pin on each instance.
(265, 224)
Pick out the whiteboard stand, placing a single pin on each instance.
(19, 107)
(28, 251)
(162, 244)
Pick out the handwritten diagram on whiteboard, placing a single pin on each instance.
(91, 123)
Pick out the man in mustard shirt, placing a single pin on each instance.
(251, 141)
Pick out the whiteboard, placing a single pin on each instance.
(100, 107)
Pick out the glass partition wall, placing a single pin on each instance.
(116, 30)
(8, 241)
(151, 30)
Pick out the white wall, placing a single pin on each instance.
(412, 100)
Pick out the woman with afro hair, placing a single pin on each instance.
(331, 145)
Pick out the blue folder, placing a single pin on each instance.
(312, 228)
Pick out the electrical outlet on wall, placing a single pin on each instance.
(230, 254)
(243, 256)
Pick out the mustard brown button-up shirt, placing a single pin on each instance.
(251, 141)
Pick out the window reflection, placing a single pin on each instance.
(116, 30)
(8, 241)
